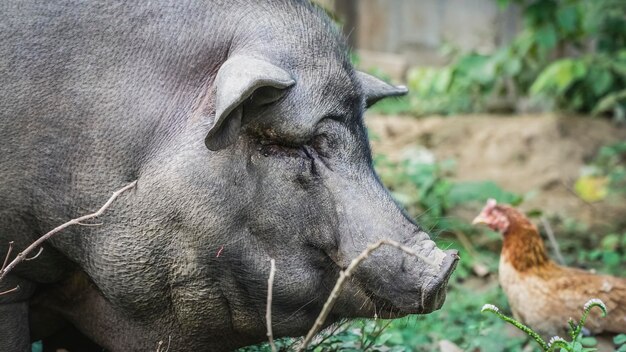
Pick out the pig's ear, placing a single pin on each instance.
(239, 79)
(375, 89)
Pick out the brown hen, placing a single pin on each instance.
(542, 294)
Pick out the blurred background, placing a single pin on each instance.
(521, 101)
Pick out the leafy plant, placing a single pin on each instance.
(571, 54)
(591, 83)
(585, 248)
(606, 174)
(577, 343)
(462, 87)
(610, 255)
(620, 342)
(425, 188)
(611, 162)
(459, 321)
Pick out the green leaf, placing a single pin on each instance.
(601, 80)
(559, 76)
(611, 259)
(420, 79)
(609, 102)
(546, 36)
(577, 346)
(619, 68)
(592, 188)
(589, 341)
(567, 18)
(610, 242)
(37, 346)
(442, 79)
(513, 66)
(619, 339)
(503, 4)
(472, 70)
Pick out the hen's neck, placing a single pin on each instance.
(523, 247)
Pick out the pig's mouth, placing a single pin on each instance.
(421, 301)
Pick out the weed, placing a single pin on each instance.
(577, 343)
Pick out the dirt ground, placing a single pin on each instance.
(539, 156)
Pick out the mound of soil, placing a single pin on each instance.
(540, 156)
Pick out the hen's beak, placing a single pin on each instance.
(479, 220)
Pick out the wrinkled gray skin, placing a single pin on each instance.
(242, 122)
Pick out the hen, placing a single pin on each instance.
(542, 294)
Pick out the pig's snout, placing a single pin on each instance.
(434, 293)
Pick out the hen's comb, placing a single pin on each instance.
(491, 203)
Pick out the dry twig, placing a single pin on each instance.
(6, 259)
(22, 255)
(375, 336)
(268, 312)
(35, 256)
(326, 335)
(14, 289)
(96, 224)
(343, 275)
(160, 345)
(4, 265)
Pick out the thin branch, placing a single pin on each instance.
(35, 256)
(16, 288)
(22, 255)
(268, 312)
(552, 238)
(326, 335)
(160, 344)
(375, 335)
(95, 224)
(6, 259)
(345, 274)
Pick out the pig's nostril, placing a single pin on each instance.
(453, 253)
(449, 263)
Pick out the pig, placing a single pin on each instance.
(242, 122)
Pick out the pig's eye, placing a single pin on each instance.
(300, 156)
(321, 145)
(279, 150)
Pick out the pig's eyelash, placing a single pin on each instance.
(282, 150)
(314, 147)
